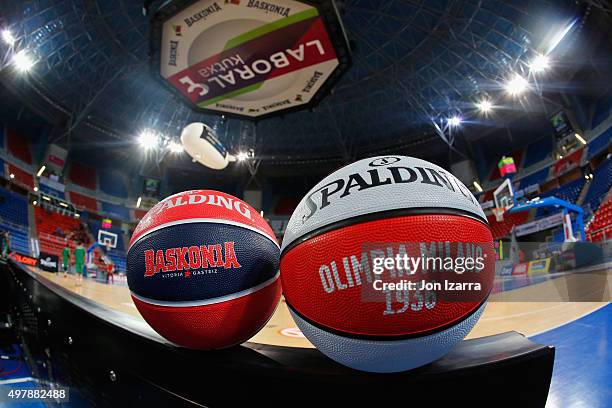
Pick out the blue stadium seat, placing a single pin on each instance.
(600, 142)
(113, 183)
(601, 184)
(14, 219)
(535, 178)
(538, 151)
(14, 207)
(116, 211)
(568, 192)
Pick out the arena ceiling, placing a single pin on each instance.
(414, 61)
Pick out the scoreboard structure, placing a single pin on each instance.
(246, 58)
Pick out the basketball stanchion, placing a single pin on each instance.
(499, 214)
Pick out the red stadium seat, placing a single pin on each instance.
(21, 176)
(83, 175)
(18, 146)
(83, 201)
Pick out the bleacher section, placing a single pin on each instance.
(55, 230)
(113, 183)
(83, 175)
(81, 201)
(501, 229)
(600, 142)
(568, 192)
(13, 207)
(117, 255)
(139, 214)
(21, 176)
(535, 178)
(600, 228)
(538, 151)
(601, 183)
(17, 145)
(14, 219)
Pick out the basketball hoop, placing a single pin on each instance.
(499, 214)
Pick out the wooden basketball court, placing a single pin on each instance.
(504, 312)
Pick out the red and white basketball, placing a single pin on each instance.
(332, 242)
(202, 268)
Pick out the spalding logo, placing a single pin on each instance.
(381, 176)
(193, 257)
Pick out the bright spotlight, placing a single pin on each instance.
(484, 106)
(454, 121)
(35, 188)
(34, 202)
(175, 147)
(148, 139)
(580, 138)
(242, 156)
(12, 175)
(8, 38)
(23, 61)
(539, 64)
(517, 85)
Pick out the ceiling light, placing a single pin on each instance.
(35, 188)
(8, 38)
(477, 186)
(517, 85)
(242, 156)
(454, 121)
(12, 175)
(138, 202)
(580, 138)
(148, 139)
(484, 106)
(41, 171)
(34, 202)
(539, 64)
(175, 147)
(23, 61)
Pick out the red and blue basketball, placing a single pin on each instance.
(202, 268)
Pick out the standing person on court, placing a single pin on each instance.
(110, 268)
(66, 258)
(79, 262)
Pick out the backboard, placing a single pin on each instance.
(503, 196)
